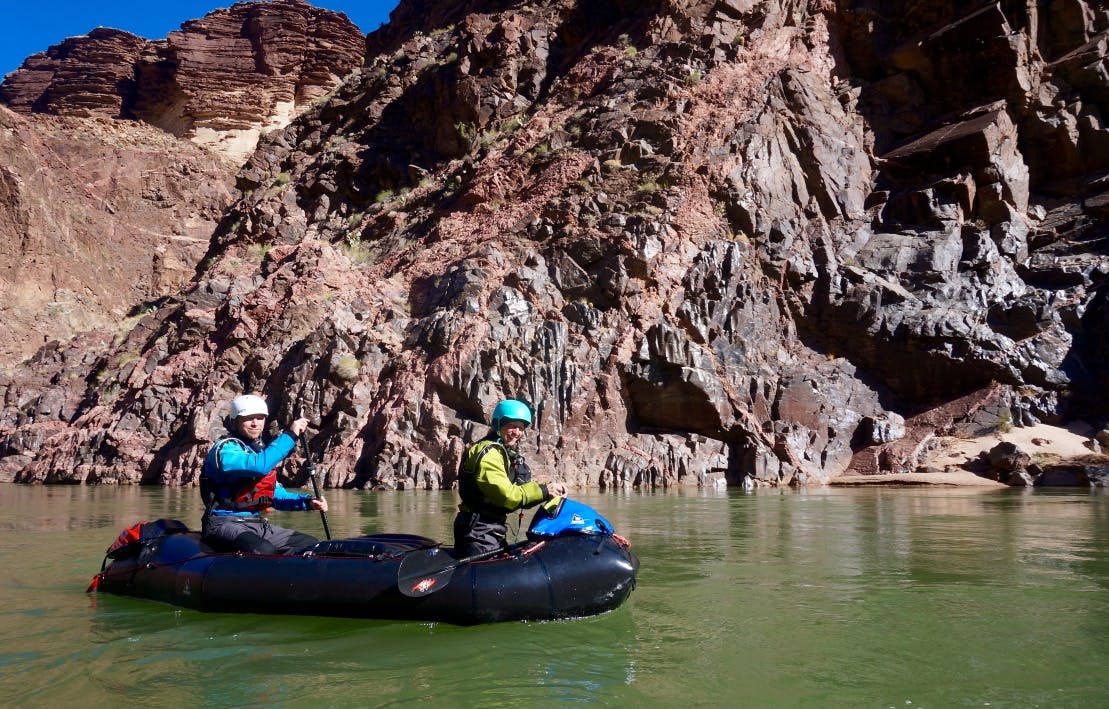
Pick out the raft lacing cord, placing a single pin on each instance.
(150, 565)
(105, 574)
(389, 556)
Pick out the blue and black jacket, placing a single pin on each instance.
(238, 478)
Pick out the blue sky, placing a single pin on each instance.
(34, 25)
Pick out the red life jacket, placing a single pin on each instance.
(256, 496)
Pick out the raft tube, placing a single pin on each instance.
(570, 574)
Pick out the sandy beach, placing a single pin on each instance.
(946, 461)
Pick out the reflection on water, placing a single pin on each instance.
(878, 597)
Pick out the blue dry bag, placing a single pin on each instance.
(570, 517)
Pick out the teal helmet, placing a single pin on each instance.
(510, 409)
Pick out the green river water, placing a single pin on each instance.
(904, 598)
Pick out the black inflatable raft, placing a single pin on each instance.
(572, 565)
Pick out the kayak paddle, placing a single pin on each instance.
(423, 572)
(311, 468)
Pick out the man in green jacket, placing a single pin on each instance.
(493, 481)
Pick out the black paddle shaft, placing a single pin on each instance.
(425, 571)
(311, 468)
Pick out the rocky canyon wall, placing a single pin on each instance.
(727, 242)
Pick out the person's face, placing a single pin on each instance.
(512, 431)
(252, 426)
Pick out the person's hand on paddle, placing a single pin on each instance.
(318, 503)
(297, 427)
(556, 489)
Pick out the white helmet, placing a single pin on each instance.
(248, 405)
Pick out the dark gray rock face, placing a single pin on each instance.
(710, 242)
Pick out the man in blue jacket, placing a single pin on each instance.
(239, 485)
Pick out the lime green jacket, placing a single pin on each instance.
(487, 486)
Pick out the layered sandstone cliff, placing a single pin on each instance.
(710, 241)
(220, 81)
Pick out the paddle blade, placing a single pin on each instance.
(427, 584)
(425, 571)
